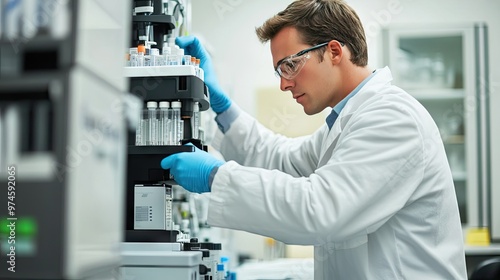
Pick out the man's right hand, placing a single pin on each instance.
(192, 46)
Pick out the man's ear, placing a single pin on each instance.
(335, 51)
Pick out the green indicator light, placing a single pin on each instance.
(24, 226)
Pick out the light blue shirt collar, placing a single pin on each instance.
(330, 120)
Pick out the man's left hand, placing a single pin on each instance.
(192, 170)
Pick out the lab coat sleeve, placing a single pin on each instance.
(375, 167)
(249, 143)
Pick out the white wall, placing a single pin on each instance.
(244, 65)
(242, 62)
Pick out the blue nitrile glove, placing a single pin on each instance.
(192, 46)
(192, 170)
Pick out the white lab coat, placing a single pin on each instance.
(374, 194)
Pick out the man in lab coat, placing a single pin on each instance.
(371, 189)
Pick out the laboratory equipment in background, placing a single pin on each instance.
(161, 223)
(446, 69)
(63, 128)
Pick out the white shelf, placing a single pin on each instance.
(163, 71)
(492, 249)
(436, 93)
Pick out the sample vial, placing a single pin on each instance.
(185, 214)
(196, 121)
(166, 52)
(177, 52)
(186, 60)
(176, 122)
(155, 59)
(144, 127)
(172, 58)
(152, 124)
(181, 131)
(133, 57)
(197, 67)
(170, 127)
(138, 131)
(180, 56)
(185, 227)
(163, 123)
(141, 50)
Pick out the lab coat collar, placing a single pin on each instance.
(380, 79)
(330, 120)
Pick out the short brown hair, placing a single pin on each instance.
(319, 21)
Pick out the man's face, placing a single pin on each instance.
(314, 86)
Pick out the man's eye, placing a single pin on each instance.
(289, 64)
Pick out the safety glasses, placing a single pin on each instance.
(289, 67)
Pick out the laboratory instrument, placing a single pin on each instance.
(64, 116)
(161, 221)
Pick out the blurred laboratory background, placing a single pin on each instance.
(84, 91)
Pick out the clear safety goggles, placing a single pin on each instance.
(289, 67)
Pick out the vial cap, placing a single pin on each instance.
(164, 104)
(176, 104)
(141, 49)
(187, 59)
(152, 104)
(220, 267)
